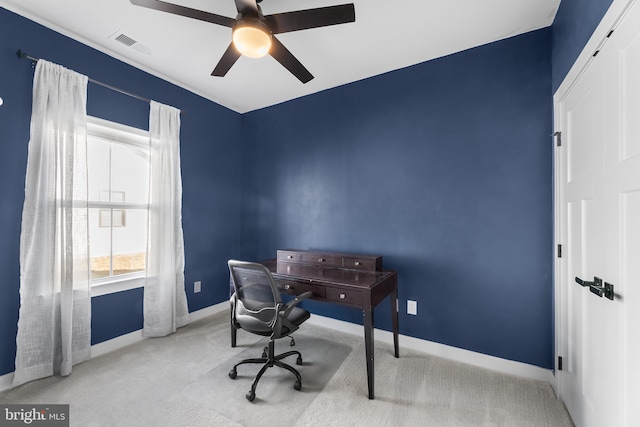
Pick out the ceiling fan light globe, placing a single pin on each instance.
(251, 41)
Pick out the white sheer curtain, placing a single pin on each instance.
(54, 327)
(165, 300)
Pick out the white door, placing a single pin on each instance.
(625, 187)
(586, 377)
(598, 204)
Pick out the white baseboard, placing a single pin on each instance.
(116, 343)
(452, 353)
(6, 381)
(209, 311)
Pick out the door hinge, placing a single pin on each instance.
(559, 363)
(558, 137)
(559, 251)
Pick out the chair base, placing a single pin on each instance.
(269, 361)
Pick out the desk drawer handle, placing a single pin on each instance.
(290, 256)
(321, 260)
(287, 286)
(357, 263)
(343, 296)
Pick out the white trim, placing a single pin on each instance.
(113, 132)
(6, 381)
(116, 343)
(117, 132)
(504, 366)
(610, 21)
(559, 263)
(209, 311)
(99, 289)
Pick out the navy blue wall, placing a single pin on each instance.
(574, 23)
(444, 168)
(210, 137)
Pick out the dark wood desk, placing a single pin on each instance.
(345, 279)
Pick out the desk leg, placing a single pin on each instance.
(367, 314)
(394, 319)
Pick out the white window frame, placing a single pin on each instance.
(119, 133)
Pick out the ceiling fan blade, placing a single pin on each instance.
(247, 7)
(288, 61)
(185, 11)
(310, 18)
(229, 57)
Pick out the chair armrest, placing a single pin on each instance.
(302, 296)
(286, 309)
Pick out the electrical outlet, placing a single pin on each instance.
(412, 307)
(197, 286)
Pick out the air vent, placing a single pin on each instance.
(125, 40)
(129, 41)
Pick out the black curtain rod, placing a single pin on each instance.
(23, 55)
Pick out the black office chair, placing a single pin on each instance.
(256, 307)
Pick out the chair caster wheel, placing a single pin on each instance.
(251, 395)
(297, 385)
(299, 361)
(264, 353)
(233, 374)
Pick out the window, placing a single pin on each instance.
(118, 190)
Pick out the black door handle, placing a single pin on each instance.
(606, 290)
(596, 282)
(597, 288)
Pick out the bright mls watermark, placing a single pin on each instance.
(34, 415)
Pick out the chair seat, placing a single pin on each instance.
(297, 316)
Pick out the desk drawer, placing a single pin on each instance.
(297, 288)
(344, 296)
(364, 264)
(323, 259)
(289, 256)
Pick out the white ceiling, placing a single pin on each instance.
(387, 35)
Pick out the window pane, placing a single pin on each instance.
(129, 174)
(129, 240)
(118, 166)
(98, 166)
(126, 253)
(100, 242)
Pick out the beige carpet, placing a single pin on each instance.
(181, 380)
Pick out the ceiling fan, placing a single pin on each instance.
(253, 34)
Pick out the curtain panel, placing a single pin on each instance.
(54, 327)
(165, 300)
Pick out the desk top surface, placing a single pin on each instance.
(324, 274)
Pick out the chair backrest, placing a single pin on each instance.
(257, 299)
